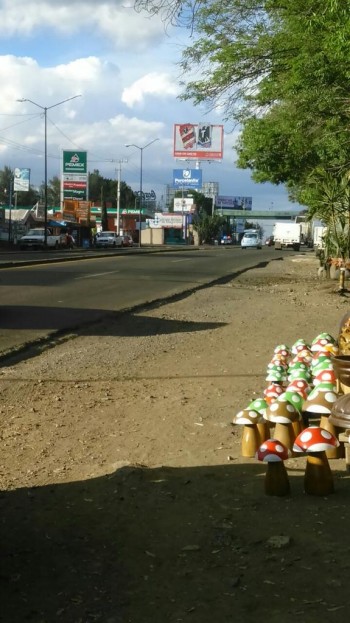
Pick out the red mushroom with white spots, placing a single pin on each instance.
(272, 391)
(315, 441)
(274, 453)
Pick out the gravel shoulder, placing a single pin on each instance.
(124, 497)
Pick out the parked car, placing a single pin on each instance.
(108, 239)
(226, 240)
(251, 239)
(127, 241)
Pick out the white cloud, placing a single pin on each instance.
(155, 84)
(112, 18)
(124, 66)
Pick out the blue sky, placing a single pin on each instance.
(125, 67)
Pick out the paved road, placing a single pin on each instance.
(41, 300)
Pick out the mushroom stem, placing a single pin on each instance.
(318, 479)
(250, 440)
(263, 431)
(285, 434)
(276, 479)
(334, 453)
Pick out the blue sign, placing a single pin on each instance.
(187, 178)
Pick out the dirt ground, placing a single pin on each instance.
(124, 498)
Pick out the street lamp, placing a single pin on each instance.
(141, 153)
(45, 109)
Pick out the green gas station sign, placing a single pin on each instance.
(75, 162)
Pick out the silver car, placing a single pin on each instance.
(251, 240)
(109, 239)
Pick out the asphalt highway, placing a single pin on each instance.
(43, 298)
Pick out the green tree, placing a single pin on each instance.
(207, 227)
(53, 192)
(280, 70)
(109, 189)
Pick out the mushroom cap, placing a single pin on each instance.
(321, 340)
(298, 365)
(259, 404)
(276, 367)
(283, 350)
(315, 439)
(272, 451)
(272, 392)
(304, 356)
(298, 373)
(333, 349)
(295, 398)
(321, 399)
(281, 411)
(279, 363)
(248, 417)
(276, 377)
(321, 355)
(300, 344)
(325, 376)
(299, 385)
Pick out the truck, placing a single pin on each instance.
(35, 239)
(319, 233)
(287, 235)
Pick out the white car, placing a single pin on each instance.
(109, 239)
(251, 240)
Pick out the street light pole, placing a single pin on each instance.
(45, 109)
(141, 163)
(118, 194)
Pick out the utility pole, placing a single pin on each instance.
(120, 162)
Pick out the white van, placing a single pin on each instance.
(109, 239)
(251, 240)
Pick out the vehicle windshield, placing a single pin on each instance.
(33, 232)
(107, 234)
(250, 235)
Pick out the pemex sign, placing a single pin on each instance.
(75, 162)
(74, 175)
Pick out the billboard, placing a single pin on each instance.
(235, 203)
(74, 180)
(168, 220)
(187, 178)
(199, 141)
(183, 204)
(21, 180)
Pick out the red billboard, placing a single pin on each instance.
(198, 141)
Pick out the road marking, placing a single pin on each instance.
(110, 272)
(186, 259)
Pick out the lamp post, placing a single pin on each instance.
(141, 155)
(45, 109)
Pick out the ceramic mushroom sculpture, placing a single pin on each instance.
(283, 413)
(249, 418)
(319, 401)
(260, 405)
(272, 391)
(315, 441)
(274, 453)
